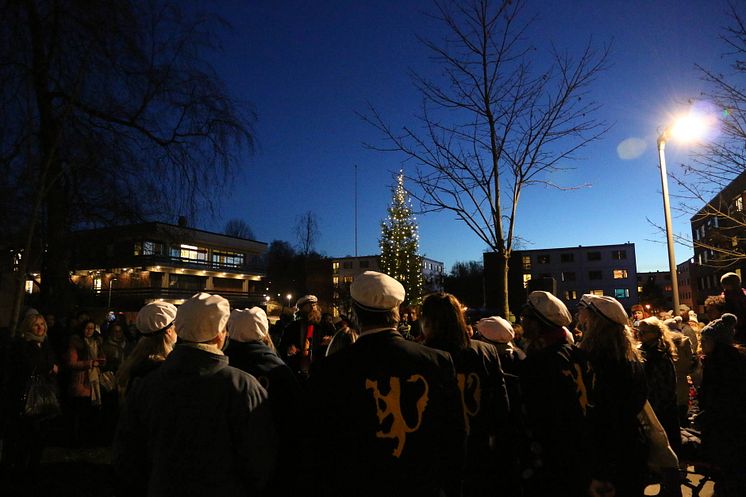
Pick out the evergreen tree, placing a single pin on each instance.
(399, 244)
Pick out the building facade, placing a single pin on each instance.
(655, 290)
(126, 267)
(568, 273)
(719, 239)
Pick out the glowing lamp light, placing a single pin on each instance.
(689, 128)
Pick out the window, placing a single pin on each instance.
(618, 255)
(568, 276)
(526, 279)
(594, 256)
(620, 274)
(152, 248)
(229, 259)
(739, 203)
(30, 286)
(364, 264)
(543, 259)
(188, 252)
(335, 267)
(599, 293)
(595, 275)
(639, 289)
(571, 294)
(347, 264)
(335, 280)
(526, 260)
(567, 257)
(97, 284)
(621, 293)
(187, 282)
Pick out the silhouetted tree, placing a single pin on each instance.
(306, 232)
(238, 228)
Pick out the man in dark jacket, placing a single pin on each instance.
(196, 426)
(386, 413)
(305, 339)
(556, 382)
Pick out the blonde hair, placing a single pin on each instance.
(154, 348)
(604, 339)
(28, 323)
(665, 340)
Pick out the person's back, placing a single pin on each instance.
(196, 426)
(388, 418)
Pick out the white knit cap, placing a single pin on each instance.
(248, 325)
(306, 299)
(496, 329)
(377, 291)
(202, 317)
(155, 317)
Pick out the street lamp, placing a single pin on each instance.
(687, 129)
(289, 297)
(108, 304)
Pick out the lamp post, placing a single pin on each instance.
(108, 304)
(687, 128)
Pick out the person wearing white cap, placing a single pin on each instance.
(555, 379)
(250, 349)
(196, 426)
(499, 332)
(387, 415)
(155, 322)
(305, 339)
(619, 393)
(483, 394)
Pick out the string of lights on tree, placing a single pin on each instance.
(399, 244)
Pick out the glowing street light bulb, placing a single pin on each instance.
(689, 128)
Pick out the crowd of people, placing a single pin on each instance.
(418, 401)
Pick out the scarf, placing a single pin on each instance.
(30, 337)
(94, 373)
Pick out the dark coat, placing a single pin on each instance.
(556, 383)
(486, 411)
(660, 373)
(722, 399)
(285, 397)
(295, 334)
(618, 448)
(387, 419)
(78, 360)
(195, 427)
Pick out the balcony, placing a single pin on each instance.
(131, 299)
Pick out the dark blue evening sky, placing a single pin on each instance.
(308, 67)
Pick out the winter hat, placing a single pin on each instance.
(377, 292)
(306, 299)
(495, 329)
(155, 317)
(609, 308)
(549, 308)
(721, 330)
(202, 317)
(248, 325)
(637, 307)
(731, 277)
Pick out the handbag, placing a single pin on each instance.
(108, 381)
(40, 399)
(660, 456)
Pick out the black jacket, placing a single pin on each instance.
(295, 334)
(195, 427)
(388, 419)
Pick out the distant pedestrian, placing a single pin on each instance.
(735, 303)
(196, 426)
(305, 339)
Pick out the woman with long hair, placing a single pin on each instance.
(659, 352)
(618, 453)
(29, 354)
(483, 394)
(155, 322)
(85, 359)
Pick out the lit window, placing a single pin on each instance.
(97, 284)
(599, 293)
(739, 203)
(639, 289)
(571, 295)
(620, 274)
(526, 279)
(29, 286)
(621, 293)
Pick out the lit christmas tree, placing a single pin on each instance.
(400, 243)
